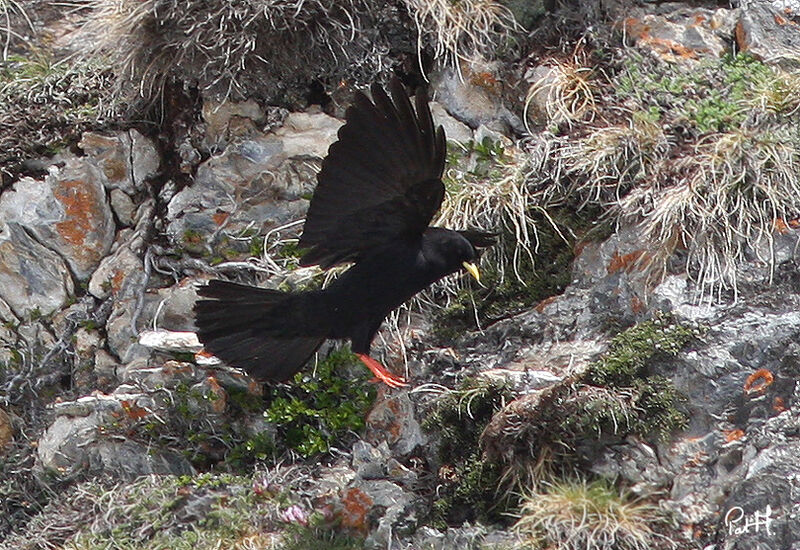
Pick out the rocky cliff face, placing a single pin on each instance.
(627, 378)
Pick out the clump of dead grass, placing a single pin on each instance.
(575, 514)
(703, 157)
(462, 31)
(728, 199)
(46, 104)
(564, 92)
(258, 49)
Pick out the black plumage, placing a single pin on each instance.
(377, 191)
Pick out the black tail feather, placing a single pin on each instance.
(245, 327)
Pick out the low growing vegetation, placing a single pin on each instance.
(574, 514)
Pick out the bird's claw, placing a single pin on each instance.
(381, 374)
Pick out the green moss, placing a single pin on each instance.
(319, 538)
(256, 247)
(317, 410)
(722, 92)
(460, 416)
(562, 429)
(469, 491)
(630, 351)
(473, 495)
(645, 404)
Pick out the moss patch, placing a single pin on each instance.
(468, 484)
(562, 429)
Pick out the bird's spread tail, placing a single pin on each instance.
(250, 328)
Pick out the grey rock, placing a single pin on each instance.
(76, 443)
(140, 374)
(114, 271)
(472, 104)
(6, 314)
(453, 129)
(170, 341)
(68, 212)
(122, 276)
(126, 160)
(682, 34)
(393, 420)
(253, 186)
(384, 508)
(175, 309)
(769, 33)
(762, 510)
(32, 277)
(229, 120)
(378, 463)
(122, 205)
(308, 134)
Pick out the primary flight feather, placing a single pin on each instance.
(377, 192)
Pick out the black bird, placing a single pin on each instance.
(377, 191)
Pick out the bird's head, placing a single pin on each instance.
(478, 240)
(451, 251)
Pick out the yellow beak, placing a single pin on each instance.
(472, 269)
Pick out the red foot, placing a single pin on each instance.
(381, 373)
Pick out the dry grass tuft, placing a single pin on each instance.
(494, 197)
(462, 31)
(727, 197)
(259, 49)
(45, 105)
(579, 515)
(610, 160)
(566, 92)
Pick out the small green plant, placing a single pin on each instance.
(645, 404)
(318, 409)
(576, 514)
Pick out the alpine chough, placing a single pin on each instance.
(377, 191)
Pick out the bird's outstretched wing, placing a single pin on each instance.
(380, 182)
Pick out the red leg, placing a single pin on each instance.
(381, 373)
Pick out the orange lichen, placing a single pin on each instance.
(117, 280)
(624, 262)
(733, 435)
(485, 80)
(780, 226)
(133, 411)
(77, 200)
(220, 217)
(115, 169)
(778, 405)
(544, 303)
(758, 381)
(356, 504)
(221, 397)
